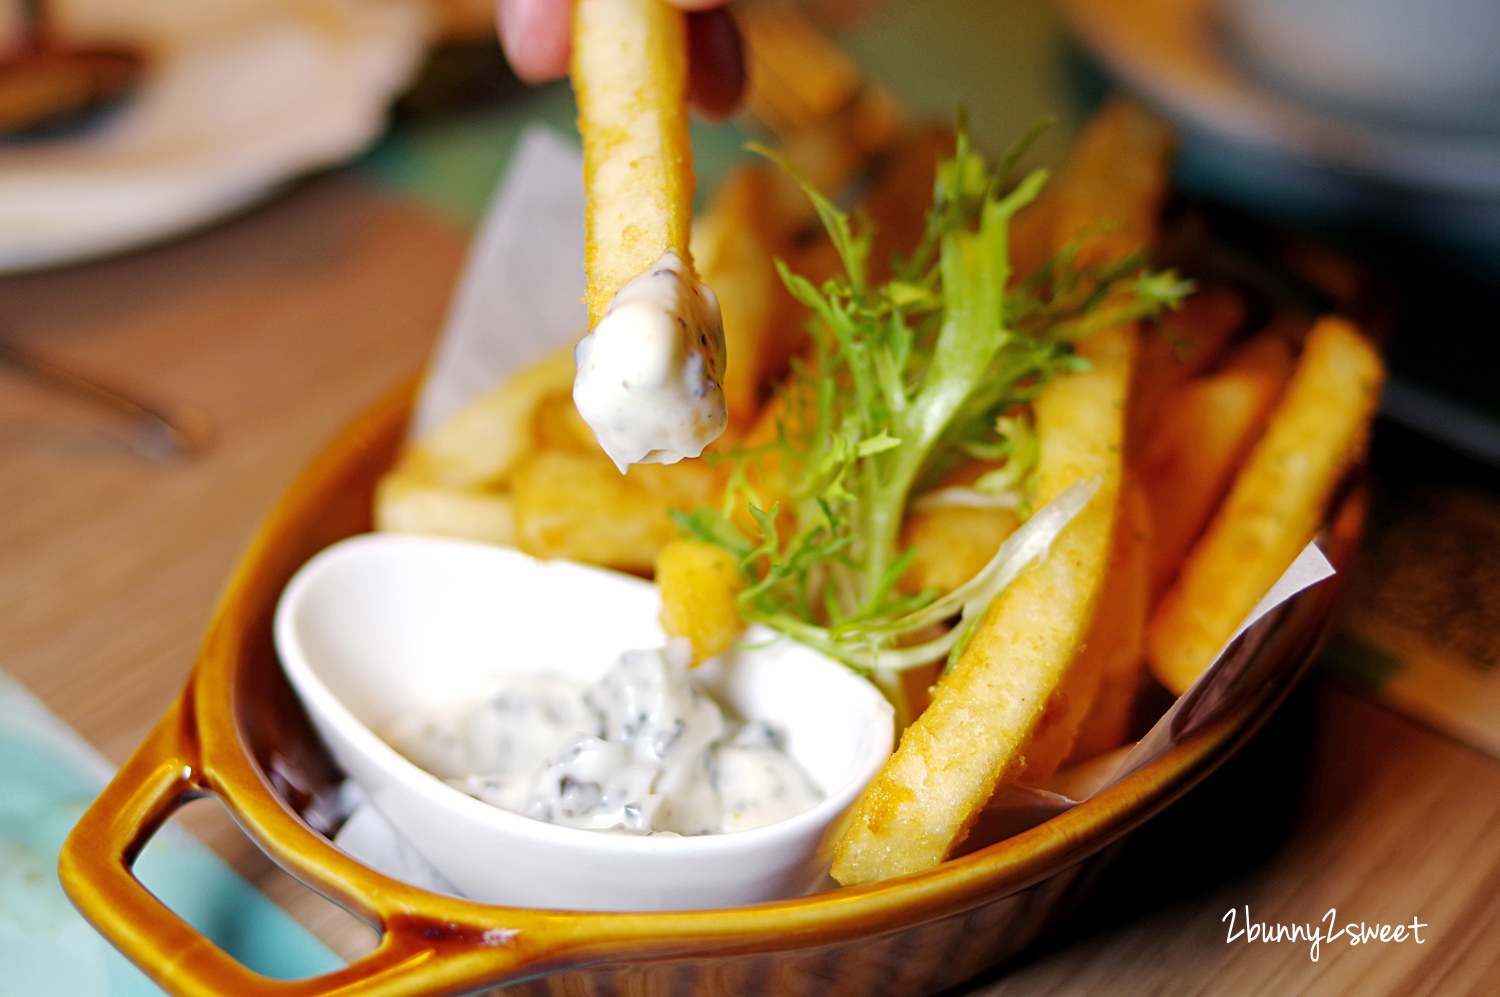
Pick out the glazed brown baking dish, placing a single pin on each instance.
(237, 733)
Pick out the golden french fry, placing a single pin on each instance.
(952, 544)
(1275, 505)
(1112, 645)
(629, 72)
(1203, 432)
(735, 243)
(986, 706)
(902, 194)
(454, 482)
(698, 582)
(1032, 233)
(408, 504)
(1111, 193)
(1107, 725)
(481, 444)
(745, 228)
(1183, 345)
(556, 425)
(579, 506)
(766, 476)
(896, 206)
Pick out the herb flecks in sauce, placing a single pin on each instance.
(642, 750)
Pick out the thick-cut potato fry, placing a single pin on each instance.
(454, 482)
(1112, 645)
(910, 691)
(901, 196)
(698, 582)
(629, 72)
(984, 709)
(481, 444)
(735, 243)
(952, 544)
(1204, 430)
(1183, 345)
(1107, 725)
(408, 504)
(556, 425)
(896, 207)
(1275, 505)
(766, 477)
(1111, 193)
(579, 506)
(1033, 234)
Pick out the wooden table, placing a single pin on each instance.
(283, 324)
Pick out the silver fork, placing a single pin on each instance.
(155, 432)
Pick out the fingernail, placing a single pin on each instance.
(716, 63)
(535, 36)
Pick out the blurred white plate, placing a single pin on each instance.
(241, 95)
(1174, 52)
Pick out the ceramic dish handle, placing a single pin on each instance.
(96, 871)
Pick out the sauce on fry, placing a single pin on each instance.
(648, 374)
(641, 751)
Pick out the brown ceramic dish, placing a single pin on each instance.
(238, 734)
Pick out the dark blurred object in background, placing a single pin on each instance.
(1392, 160)
(50, 85)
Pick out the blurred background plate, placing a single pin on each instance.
(1407, 183)
(239, 96)
(1187, 57)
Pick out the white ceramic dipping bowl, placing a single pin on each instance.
(381, 624)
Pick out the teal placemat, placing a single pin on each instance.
(48, 776)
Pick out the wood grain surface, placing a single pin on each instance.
(284, 323)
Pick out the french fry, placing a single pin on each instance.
(766, 477)
(698, 582)
(1107, 725)
(1202, 434)
(1275, 505)
(629, 70)
(901, 196)
(1182, 346)
(579, 506)
(455, 481)
(986, 706)
(481, 444)
(922, 803)
(556, 425)
(734, 245)
(1112, 646)
(408, 504)
(952, 544)
(1111, 193)
(1032, 234)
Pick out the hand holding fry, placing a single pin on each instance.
(535, 36)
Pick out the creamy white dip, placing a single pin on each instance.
(648, 373)
(642, 750)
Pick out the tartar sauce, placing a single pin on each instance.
(642, 750)
(648, 373)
